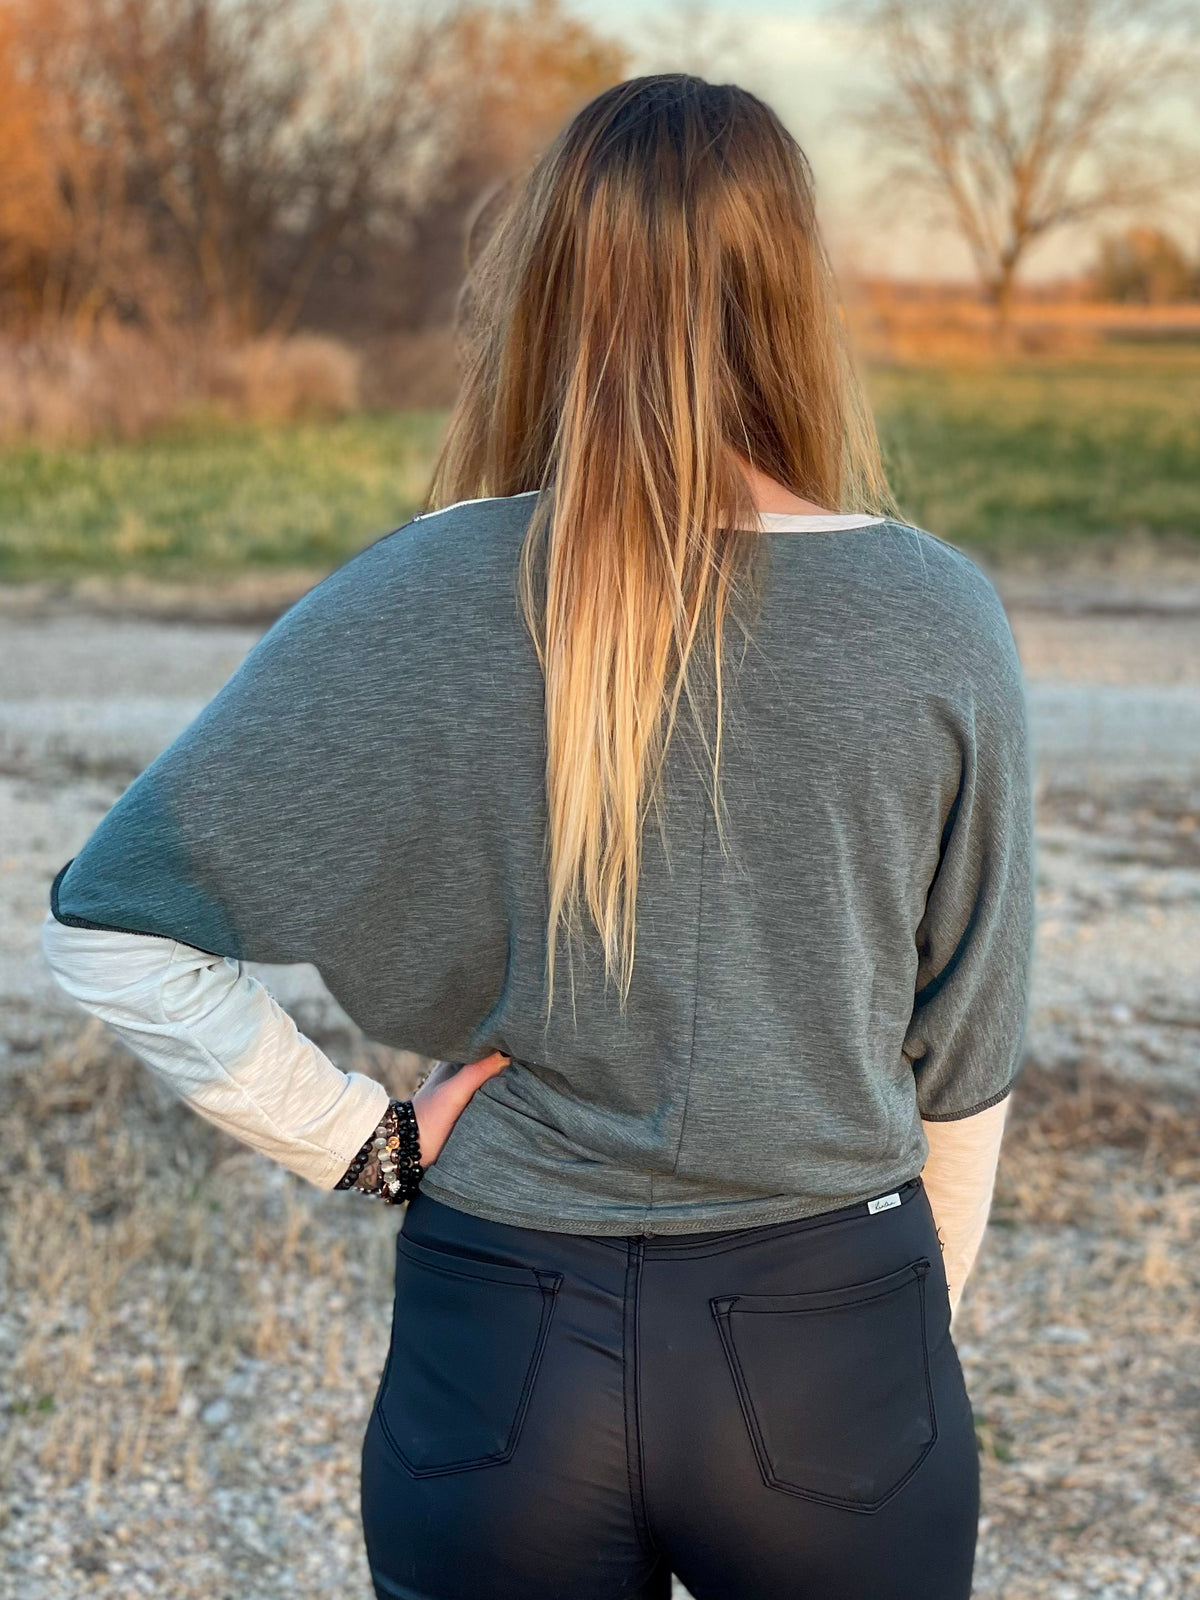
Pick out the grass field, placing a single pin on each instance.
(228, 498)
(1001, 460)
(1012, 460)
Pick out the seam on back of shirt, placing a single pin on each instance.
(687, 1094)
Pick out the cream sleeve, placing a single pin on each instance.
(222, 1043)
(959, 1177)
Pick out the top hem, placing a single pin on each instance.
(959, 1116)
(70, 920)
(645, 1222)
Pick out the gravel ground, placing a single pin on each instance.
(187, 1372)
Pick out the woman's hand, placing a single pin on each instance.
(442, 1099)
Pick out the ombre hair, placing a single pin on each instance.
(653, 301)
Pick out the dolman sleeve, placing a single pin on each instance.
(308, 813)
(975, 940)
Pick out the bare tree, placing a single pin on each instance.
(215, 163)
(510, 77)
(70, 247)
(1016, 118)
(249, 122)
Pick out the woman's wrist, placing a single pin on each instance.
(388, 1165)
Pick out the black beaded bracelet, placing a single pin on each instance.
(388, 1166)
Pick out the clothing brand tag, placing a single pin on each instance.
(884, 1203)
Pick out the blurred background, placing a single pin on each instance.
(231, 237)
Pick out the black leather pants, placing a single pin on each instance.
(774, 1413)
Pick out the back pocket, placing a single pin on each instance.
(834, 1385)
(467, 1340)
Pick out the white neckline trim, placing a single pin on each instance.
(799, 522)
(478, 500)
(772, 521)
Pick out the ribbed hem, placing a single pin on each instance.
(644, 1221)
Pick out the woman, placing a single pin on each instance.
(682, 1243)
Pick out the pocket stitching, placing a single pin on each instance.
(825, 1299)
(548, 1283)
(466, 1266)
(720, 1309)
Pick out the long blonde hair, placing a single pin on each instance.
(653, 300)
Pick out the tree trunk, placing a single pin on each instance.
(1002, 290)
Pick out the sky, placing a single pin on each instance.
(805, 58)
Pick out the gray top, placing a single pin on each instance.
(366, 793)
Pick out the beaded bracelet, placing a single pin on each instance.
(388, 1167)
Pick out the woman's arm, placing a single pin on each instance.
(221, 1041)
(959, 1177)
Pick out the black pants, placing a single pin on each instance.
(774, 1413)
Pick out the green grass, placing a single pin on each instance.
(1011, 460)
(220, 498)
(1000, 460)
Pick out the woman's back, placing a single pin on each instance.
(770, 1061)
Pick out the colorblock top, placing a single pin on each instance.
(367, 793)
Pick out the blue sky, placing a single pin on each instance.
(806, 60)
